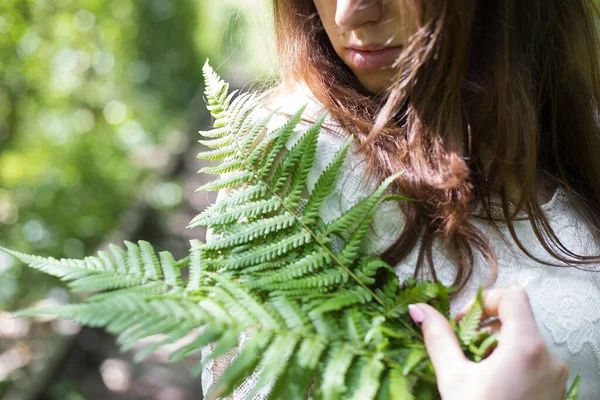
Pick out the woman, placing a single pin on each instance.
(490, 109)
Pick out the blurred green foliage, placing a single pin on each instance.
(94, 96)
(87, 88)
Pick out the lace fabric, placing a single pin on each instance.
(565, 300)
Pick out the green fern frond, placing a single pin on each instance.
(307, 264)
(239, 197)
(573, 393)
(324, 184)
(137, 267)
(281, 137)
(320, 322)
(254, 230)
(223, 168)
(468, 325)
(231, 180)
(250, 210)
(413, 293)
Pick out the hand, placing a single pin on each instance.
(520, 368)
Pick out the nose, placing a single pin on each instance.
(351, 14)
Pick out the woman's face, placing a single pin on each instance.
(368, 35)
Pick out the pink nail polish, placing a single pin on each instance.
(416, 313)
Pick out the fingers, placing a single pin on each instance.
(562, 371)
(511, 305)
(492, 326)
(440, 340)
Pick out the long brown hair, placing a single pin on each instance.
(491, 97)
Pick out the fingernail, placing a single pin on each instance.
(416, 313)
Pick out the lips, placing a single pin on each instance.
(375, 58)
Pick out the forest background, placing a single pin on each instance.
(100, 106)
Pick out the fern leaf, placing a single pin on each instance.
(254, 230)
(345, 221)
(251, 304)
(282, 135)
(468, 325)
(243, 365)
(332, 277)
(414, 358)
(104, 282)
(368, 381)
(275, 361)
(225, 344)
(443, 299)
(259, 128)
(311, 351)
(295, 319)
(339, 361)
(152, 269)
(238, 197)
(198, 266)
(420, 293)
(399, 387)
(172, 274)
(218, 154)
(209, 335)
(215, 133)
(324, 183)
(228, 181)
(356, 326)
(182, 331)
(298, 182)
(284, 168)
(120, 258)
(233, 214)
(352, 247)
(266, 252)
(303, 266)
(573, 393)
(223, 168)
(137, 270)
(216, 143)
(341, 300)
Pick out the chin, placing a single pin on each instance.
(376, 83)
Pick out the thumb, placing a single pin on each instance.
(441, 342)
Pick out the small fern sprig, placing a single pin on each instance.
(322, 319)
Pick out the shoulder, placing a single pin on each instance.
(286, 101)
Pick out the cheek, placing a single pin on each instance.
(336, 36)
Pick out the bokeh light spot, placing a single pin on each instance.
(132, 134)
(115, 112)
(83, 120)
(84, 20)
(104, 62)
(121, 9)
(34, 231)
(29, 44)
(139, 71)
(116, 375)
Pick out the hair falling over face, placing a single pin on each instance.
(489, 98)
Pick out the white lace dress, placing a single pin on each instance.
(565, 301)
